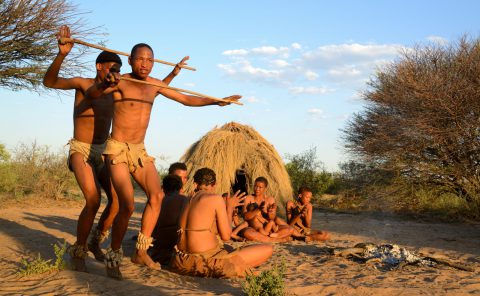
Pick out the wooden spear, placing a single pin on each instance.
(64, 40)
(180, 90)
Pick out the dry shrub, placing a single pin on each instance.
(35, 169)
(421, 119)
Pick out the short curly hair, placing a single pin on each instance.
(177, 166)
(205, 176)
(172, 183)
(304, 189)
(262, 180)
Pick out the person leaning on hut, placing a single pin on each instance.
(165, 234)
(299, 215)
(92, 116)
(207, 218)
(126, 155)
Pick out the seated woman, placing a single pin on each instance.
(299, 215)
(165, 232)
(199, 251)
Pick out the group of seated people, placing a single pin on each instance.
(190, 231)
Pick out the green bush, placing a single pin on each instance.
(268, 282)
(39, 265)
(305, 170)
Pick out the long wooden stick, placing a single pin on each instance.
(179, 89)
(73, 40)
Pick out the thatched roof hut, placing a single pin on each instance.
(238, 154)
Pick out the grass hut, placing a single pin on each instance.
(238, 154)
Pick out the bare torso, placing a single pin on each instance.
(165, 232)
(91, 117)
(132, 108)
(267, 201)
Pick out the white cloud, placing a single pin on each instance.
(252, 99)
(309, 90)
(280, 63)
(345, 71)
(235, 52)
(437, 39)
(310, 75)
(189, 84)
(346, 54)
(316, 113)
(347, 65)
(244, 70)
(271, 51)
(296, 46)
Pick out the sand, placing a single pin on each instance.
(27, 229)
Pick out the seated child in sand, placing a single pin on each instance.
(299, 215)
(165, 232)
(207, 216)
(258, 222)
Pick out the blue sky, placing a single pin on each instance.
(299, 66)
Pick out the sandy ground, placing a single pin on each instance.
(29, 229)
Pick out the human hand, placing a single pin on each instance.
(178, 67)
(112, 78)
(64, 47)
(229, 100)
(261, 206)
(236, 200)
(272, 208)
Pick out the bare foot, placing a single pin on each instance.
(319, 236)
(94, 247)
(142, 258)
(237, 238)
(280, 239)
(78, 264)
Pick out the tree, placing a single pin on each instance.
(305, 170)
(422, 118)
(4, 155)
(28, 44)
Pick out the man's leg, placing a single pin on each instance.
(147, 177)
(120, 177)
(85, 176)
(100, 233)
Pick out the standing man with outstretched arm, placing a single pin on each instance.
(92, 118)
(126, 154)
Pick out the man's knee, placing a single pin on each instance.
(155, 200)
(92, 200)
(126, 209)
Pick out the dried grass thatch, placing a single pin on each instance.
(234, 147)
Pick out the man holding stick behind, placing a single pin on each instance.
(91, 124)
(126, 154)
(92, 117)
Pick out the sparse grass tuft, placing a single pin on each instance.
(268, 282)
(39, 265)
